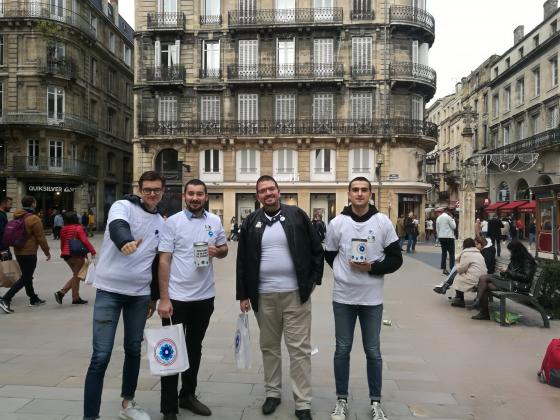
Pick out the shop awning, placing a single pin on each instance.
(528, 207)
(495, 206)
(509, 207)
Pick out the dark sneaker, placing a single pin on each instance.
(191, 403)
(481, 316)
(303, 414)
(79, 301)
(458, 303)
(5, 306)
(36, 302)
(270, 405)
(58, 297)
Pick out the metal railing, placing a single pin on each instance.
(166, 20)
(165, 74)
(318, 15)
(285, 71)
(413, 15)
(210, 74)
(61, 121)
(374, 127)
(418, 72)
(361, 71)
(533, 143)
(63, 68)
(54, 165)
(210, 20)
(361, 15)
(45, 10)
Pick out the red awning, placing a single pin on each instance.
(509, 207)
(495, 206)
(528, 207)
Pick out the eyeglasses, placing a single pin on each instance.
(265, 190)
(152, 191)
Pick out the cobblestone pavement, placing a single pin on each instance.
(438, 363)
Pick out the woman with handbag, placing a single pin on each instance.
(74, 246)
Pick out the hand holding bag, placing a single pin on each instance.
(242, 342)
(167, 350)
(84, 270)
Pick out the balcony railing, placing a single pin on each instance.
(533, 143)
(165, 74)
(44, 10)
(361, 15)
(285, 71)
(210, 20)
(417, 72)
(61, 121)
(54, 165)
(266, 17)
(63, 68)
(358, 71)
(210, 73)
(374, 127)
(412, 15)
(166, 20)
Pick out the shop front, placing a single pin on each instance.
(548, 218)
(50, 197)
(245, 204)
(409, 203)
(323, 204)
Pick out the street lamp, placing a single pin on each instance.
(379, 163)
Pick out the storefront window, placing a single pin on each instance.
(409, 203)
(522, 190)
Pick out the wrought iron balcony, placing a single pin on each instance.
(58, 121)
(374, 127)
(54, 166)
(415, 72)
(362, 15)
(409, 15)
(358, 71)
(210, 74)
(283, 17)
(167, 74)
(285, 71)
(166, 21)
(44, 10)
(62, 68)
(530, 144)
(210, 20)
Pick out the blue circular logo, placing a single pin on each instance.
(165, 352)
(362, 248)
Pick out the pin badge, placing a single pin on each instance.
(258, 225)
(282, 218)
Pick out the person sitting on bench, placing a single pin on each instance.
(517, 277)
(470, 267)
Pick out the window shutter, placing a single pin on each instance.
(177, 51)
(157, 49)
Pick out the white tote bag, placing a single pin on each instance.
(242, 342)
(167, 350)
(90, 275)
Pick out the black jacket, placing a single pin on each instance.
(489, 255)
(3, 223)
(495, 228)
(305, 248)
(521, 270)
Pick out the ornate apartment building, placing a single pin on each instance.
(513, 101)
(313, 92)
(66, 114)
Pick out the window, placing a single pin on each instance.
(1, 50)
(323, 61)
(495, 105)
(323, 10)
(534, 121)
(111, 114)
(128, 93)
(496, 72)
(93, 111)
(507, 99)
(112, 42)
(167, 163)
(248, 58)
(554, 71)
(210, 111)
(286, 57)
(248, 161)
(361, 55)
(520, 130)
(553, 117)
(32, 153)
(211, 161)
(506, 135)
(323, 107)
(360, 161)
(127, 128)
(417, 108)
(93, 72)
(55, 154)
(247, 112)
(284, 161)
(362, 109)
(166, 54)
(167, 110)
(322, 160)
(93, 23)
(361, 9)
(110, 164)
(127, 55)
(56, 52)
(285, 108)
(211, 59)
(484, 136)
(211, 14)
(485, 103)
(55, 103)
(56, 8)
(508, 63)
(521, 52)
(247, 10)
(553, 28)
(536, 41)
(112, 82)
(520, 91)
(74, 151)
(537, 81)
(475, 107)
(167, 6)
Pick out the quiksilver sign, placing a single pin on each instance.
(50, 188)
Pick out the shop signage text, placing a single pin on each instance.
(393, 177)
(50, 188)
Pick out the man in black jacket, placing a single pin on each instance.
(279, 262)
(495, 232)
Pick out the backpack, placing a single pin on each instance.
(15, 233)
(550, 368)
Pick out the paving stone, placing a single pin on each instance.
(8, 404)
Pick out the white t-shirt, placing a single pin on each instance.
(129, 275)
(429, 224)
(484, 226)
(277, 271)
(354, 287)
(187, 282)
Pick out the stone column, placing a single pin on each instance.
(466, 189)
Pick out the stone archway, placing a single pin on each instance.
(522, 190)
(544, 180)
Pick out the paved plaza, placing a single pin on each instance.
(438, 363)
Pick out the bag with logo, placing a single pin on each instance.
(550, 368)
(242, 342)
(15, 233)
(167, 350)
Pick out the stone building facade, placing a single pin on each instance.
(66, 113)
(313, 93)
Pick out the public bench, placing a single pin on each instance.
(529, 300)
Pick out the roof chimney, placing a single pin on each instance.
(518, 34)
(549, 7)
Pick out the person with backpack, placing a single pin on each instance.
(25, 234)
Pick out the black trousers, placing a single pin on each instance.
(195, 317)
(497, 242)
(27, 264)
(447, 247)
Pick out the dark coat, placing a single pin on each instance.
(495, 228)
(489, 255)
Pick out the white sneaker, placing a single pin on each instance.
(376, 412)
(340, 410)
(133, 412)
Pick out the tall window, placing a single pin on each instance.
(554, 71)
(361, 10)
(361, 55)
(323, 10)
(507, 135)
(417, 108)
(167, 111)
(362, 108)
(247, 10)
(55, 103)
(32, 153)
(56, 8)
(285, 107)
(322, 160)
(112, 42)
(495, 105)
(485, 136)
(534, 121)
(210, 111)
(111, 123)
(285, 159)
(323, 61)
(553, 117)
(520, 91)
(247, 112)
(1, 50)
(93, 23)
(167, 6)
(112, 81)
(74, 151)
(485, 103)
(211, 14)
(248, 58)
(361, 160)
(285, 11)
(56, 52)
(212, 161)
(127, 55)
(211, 59)
(93, 72)
(507, 99)
(248, 161)
(1, 100)
(520, 130)
(323, 111)
(167, 53)
(537, 81)
(55, 154)
(286, 57)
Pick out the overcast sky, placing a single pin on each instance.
(467, 33)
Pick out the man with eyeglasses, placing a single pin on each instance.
(279, 263)
(123, 279)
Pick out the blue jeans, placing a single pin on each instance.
(370, 324)
(106, 313)
(411, 237)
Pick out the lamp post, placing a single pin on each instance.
(380, 161)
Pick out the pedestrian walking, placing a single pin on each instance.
(319, 226)
(187, 290)
(58, 223)
(445, 228)
(279, 263)
(5, 207)
(495, 227)
(401, 232)
(410, 229)
(90, 223)
(532, 232)
(73, 230)
(123, 277)
(429, 229)
(26, 255)
(358, 289)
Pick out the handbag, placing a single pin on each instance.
(90, 275)
(77, 247)
(9, 273)
(242, 342)
(167, 350)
